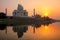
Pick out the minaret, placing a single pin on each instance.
(6, 11)
(34, 11)
(33, 29)
(34, 15)
(6, 30)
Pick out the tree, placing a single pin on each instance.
(2, 15)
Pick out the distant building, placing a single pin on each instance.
(20, 12)
(36, 16)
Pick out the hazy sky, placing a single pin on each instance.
(52, 7)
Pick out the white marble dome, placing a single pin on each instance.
(20, 7)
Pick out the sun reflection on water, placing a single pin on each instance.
(46, 27)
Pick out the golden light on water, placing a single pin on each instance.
(46, 27)
(46, 30)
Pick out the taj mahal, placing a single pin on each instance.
(20, 12)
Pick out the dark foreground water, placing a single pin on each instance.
(30, 32)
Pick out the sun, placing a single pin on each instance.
(46, 11)
(46, 14)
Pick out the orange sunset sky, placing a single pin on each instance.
(42, 7)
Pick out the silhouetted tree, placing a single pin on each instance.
(2, 26)
(2, 15)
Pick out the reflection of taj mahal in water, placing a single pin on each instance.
(20, 30)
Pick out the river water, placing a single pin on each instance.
(30, 32)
